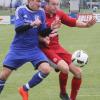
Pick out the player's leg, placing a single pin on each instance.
(39, 61)
(62, 80)
(55, 58)
(5, 73)
(44, 70)
(76, 81)
(11, 62)
(63, 67)
(63, 77)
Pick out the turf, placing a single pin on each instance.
(72, 39)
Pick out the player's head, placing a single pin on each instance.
(52, 5)
(34, 4)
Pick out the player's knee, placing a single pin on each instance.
(3, 76)
(62, 66)
(78, 74)
(45, 68)
(65, 70)
(5, 73)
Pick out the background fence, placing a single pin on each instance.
(7, 7)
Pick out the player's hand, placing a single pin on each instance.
(91, 22)
(53, 35)
(37, 22)
(45, 40)
(56, 24)
(85, 21)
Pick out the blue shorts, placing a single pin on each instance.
(16, 58)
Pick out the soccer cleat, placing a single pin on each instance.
(23, 93)
(64, 97)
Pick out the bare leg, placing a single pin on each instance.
(5, 73)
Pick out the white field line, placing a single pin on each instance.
(88, 95)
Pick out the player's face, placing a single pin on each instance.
(34, 4)
(53, 5)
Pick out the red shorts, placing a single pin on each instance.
(55, 55)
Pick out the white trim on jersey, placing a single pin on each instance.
(16, 13)
(24, 6)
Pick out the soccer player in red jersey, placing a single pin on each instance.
(57, 54)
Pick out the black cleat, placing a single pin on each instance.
(64, 97)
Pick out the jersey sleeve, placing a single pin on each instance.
(19, 20)
(67, 20)
(43, 19)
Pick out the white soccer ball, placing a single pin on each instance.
(79, 58)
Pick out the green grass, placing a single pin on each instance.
(72, 39)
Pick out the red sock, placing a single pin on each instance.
(63, 82)
(75, 86)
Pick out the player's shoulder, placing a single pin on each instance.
(21, 8)
(60, 12)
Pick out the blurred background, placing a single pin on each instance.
(8, 6)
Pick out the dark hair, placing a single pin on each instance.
(46, 0)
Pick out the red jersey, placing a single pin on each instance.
(65, 19)
(54, 51)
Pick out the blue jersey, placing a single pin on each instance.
(24, 47)
(28, 39)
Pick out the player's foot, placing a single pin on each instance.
(23, 93)
(64, 97)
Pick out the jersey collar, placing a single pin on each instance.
(30, 10)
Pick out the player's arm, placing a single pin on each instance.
(86, 24)
(27, 26)
(72, 22)
(45, 31)
(20, 25)
(67, 20)
(23, 28)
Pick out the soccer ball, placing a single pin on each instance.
(79, 58)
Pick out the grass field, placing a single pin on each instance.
(72, 39)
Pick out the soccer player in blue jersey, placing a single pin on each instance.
(30, 20)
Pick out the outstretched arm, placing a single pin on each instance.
(72, 22)
(86, 24)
